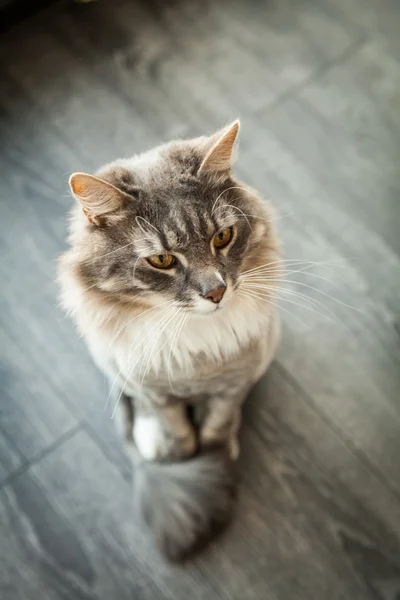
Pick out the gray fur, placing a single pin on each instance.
(164, 190)
(175, 200)
(184, 503)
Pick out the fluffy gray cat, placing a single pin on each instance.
(170, 277)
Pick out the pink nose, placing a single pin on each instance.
(216, 295)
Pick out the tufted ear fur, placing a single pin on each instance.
(219, 159)
(96, 196)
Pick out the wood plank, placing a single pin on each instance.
(306, 516)
(343, 164)
(380, 19)
(43, 553)
(309, 481)
(359, 100)
(316, 83)
(346, 360)
(10, 458)
(33, 413)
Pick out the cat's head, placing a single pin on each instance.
(170, 225)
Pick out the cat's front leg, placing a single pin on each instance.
(222, 421)
(162, 431)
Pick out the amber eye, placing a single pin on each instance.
(162, 261)
(223, 238)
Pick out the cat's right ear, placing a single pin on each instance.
(96, 196)
(219, 158)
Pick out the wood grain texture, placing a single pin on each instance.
(10, 458)
(316, 84)
(306, 520)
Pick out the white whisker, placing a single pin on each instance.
(236, 208)
(311, 287)
(94, 258)
(138, 219)
(286, 262)
(260, 290)
(134, 347)
(140, 256)
(313, 301)
(108, 253)
(260, 277)
(234, 187)
(137, 316)
(150, 348)
(256, 296)
(164, 344)
(127, 378)
(243, 214)
(223, 192)
(173, 341)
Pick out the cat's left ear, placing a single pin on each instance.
(97, 197)
(219, 158)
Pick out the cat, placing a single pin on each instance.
(170, 277)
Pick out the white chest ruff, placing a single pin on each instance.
(165, 344)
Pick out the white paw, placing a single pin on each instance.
(148, 437)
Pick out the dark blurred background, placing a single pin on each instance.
(316, 84)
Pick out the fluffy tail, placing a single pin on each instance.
(184, 503)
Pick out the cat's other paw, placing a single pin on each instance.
(154, 443)
(210, 437)
(181, 447)
(233, 448)
(123, 418)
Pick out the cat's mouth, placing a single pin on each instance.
(206, 307)
(213, 310)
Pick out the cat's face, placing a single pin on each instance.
(172, 226)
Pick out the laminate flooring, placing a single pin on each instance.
(316, 84)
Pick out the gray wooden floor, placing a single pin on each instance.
(317, 86)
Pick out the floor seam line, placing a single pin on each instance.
(354, 451)
(37, 458)
(319, 72)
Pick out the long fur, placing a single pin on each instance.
(178, 196)
(184, 503)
